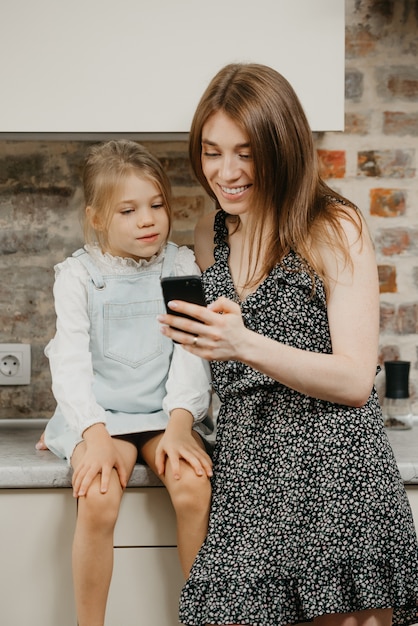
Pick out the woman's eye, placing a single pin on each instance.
(245, 156)
(211, 154)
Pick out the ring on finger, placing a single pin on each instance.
(195, 341)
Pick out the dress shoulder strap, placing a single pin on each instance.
(83, 256)
(170, 254)
(221, 250)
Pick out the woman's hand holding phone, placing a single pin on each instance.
(185, 288)
(215, 332)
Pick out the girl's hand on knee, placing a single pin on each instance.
(100, 457)
(185, 449)
(179, 444)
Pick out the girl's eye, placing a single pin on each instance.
(157, 205)
(127, 211)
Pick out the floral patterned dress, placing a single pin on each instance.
(309, 513)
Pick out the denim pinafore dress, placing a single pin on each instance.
(130, 356)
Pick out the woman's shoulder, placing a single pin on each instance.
(204, 240)
(349, 220)
(206, 221)
(343, 209)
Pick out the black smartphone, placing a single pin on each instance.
(187, 288)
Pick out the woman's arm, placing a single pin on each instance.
(346, 376)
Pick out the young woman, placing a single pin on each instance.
(122, 389)
(309, 521)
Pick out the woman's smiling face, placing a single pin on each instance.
(227, 163)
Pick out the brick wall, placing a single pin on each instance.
(40, 201)
(374, 163)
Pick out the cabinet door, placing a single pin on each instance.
(147, 577)
(146, 518)
(145, 587)
(36, 533)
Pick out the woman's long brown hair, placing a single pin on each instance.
(289, 193)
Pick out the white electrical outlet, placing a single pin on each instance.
(15, 364)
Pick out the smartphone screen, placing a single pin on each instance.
(187, 288)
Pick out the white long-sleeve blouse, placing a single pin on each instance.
(188, 385)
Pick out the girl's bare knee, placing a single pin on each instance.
(191, 493)
(101, 510)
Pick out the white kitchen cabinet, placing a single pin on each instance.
(58, 86)
(36, 532)
(145, 587)
(147, 577)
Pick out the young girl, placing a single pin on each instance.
(122, 389)
(309, 521)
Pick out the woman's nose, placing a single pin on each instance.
(229, 169)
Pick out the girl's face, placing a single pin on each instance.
(139, 226)
(227, 163)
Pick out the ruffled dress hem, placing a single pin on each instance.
(286, 600)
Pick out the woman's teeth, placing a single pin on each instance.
(234, 190)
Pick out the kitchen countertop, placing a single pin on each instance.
(22, 466)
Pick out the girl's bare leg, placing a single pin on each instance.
(93, 540)
(190, 496)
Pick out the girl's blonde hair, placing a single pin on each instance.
(288, 193)
(105, 166)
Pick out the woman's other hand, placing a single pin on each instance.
(216, 333)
